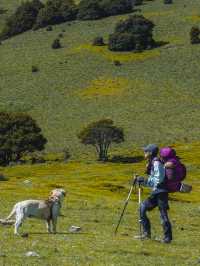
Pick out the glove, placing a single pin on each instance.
(138, 180)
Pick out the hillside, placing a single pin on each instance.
(154, 95)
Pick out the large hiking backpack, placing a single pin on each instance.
(173, 183)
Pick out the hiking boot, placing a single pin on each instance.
(166, 241)
(143, 236)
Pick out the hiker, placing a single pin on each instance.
(159, 195)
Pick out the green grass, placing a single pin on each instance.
(159, 104)
(96, 194)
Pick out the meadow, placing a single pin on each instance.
(96, 194)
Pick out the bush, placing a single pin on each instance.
(90, 9)
(117, 63)
(22, 20)
(116, 7)
(56, 12)
(34, 69)
(98, 41)
(134, 33)
(19, 134)
(56, 44)
(195, 35)
(121, 42)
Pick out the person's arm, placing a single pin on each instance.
(158, 175)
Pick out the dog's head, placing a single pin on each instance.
(58, 193)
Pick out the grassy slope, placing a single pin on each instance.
(68, 92)
(154, 96)
(94, 202)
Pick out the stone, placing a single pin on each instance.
(74, 229)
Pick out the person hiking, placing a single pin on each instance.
(159, 195)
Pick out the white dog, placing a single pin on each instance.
(43, 209)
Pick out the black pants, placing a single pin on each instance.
(159, 200)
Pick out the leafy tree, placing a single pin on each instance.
(101, 135)
(56, 12)
(195, 35)
(96, 9)
(22, 20)
(19, 134)
(121, 42)
(139, 28)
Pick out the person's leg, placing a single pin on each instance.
(163, 207)
(146, 205)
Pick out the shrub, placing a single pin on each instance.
(34, 69)
(98, 41)
(56, 44)
(134, 33)
(56, 12)
(121, 42)
(60, 35)
(19, 134)
(115, 7)
(195, 35)
(22, 20)
(117, 63)
(90, 9)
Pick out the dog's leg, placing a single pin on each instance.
(54, 223)
(19, 220)
(48, 223)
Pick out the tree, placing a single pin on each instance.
(136, 28)
(101, 134)
(19, 134)
(195, 35)
(56, 12)
(96, 9)
(121, 42)
(22, 20)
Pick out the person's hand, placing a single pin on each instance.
(138, 179)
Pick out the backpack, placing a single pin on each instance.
(180, 172)
(173, 184)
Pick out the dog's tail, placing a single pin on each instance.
(11, 214)
(8, 220)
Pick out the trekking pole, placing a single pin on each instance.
(139, 203)
(125, 205)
